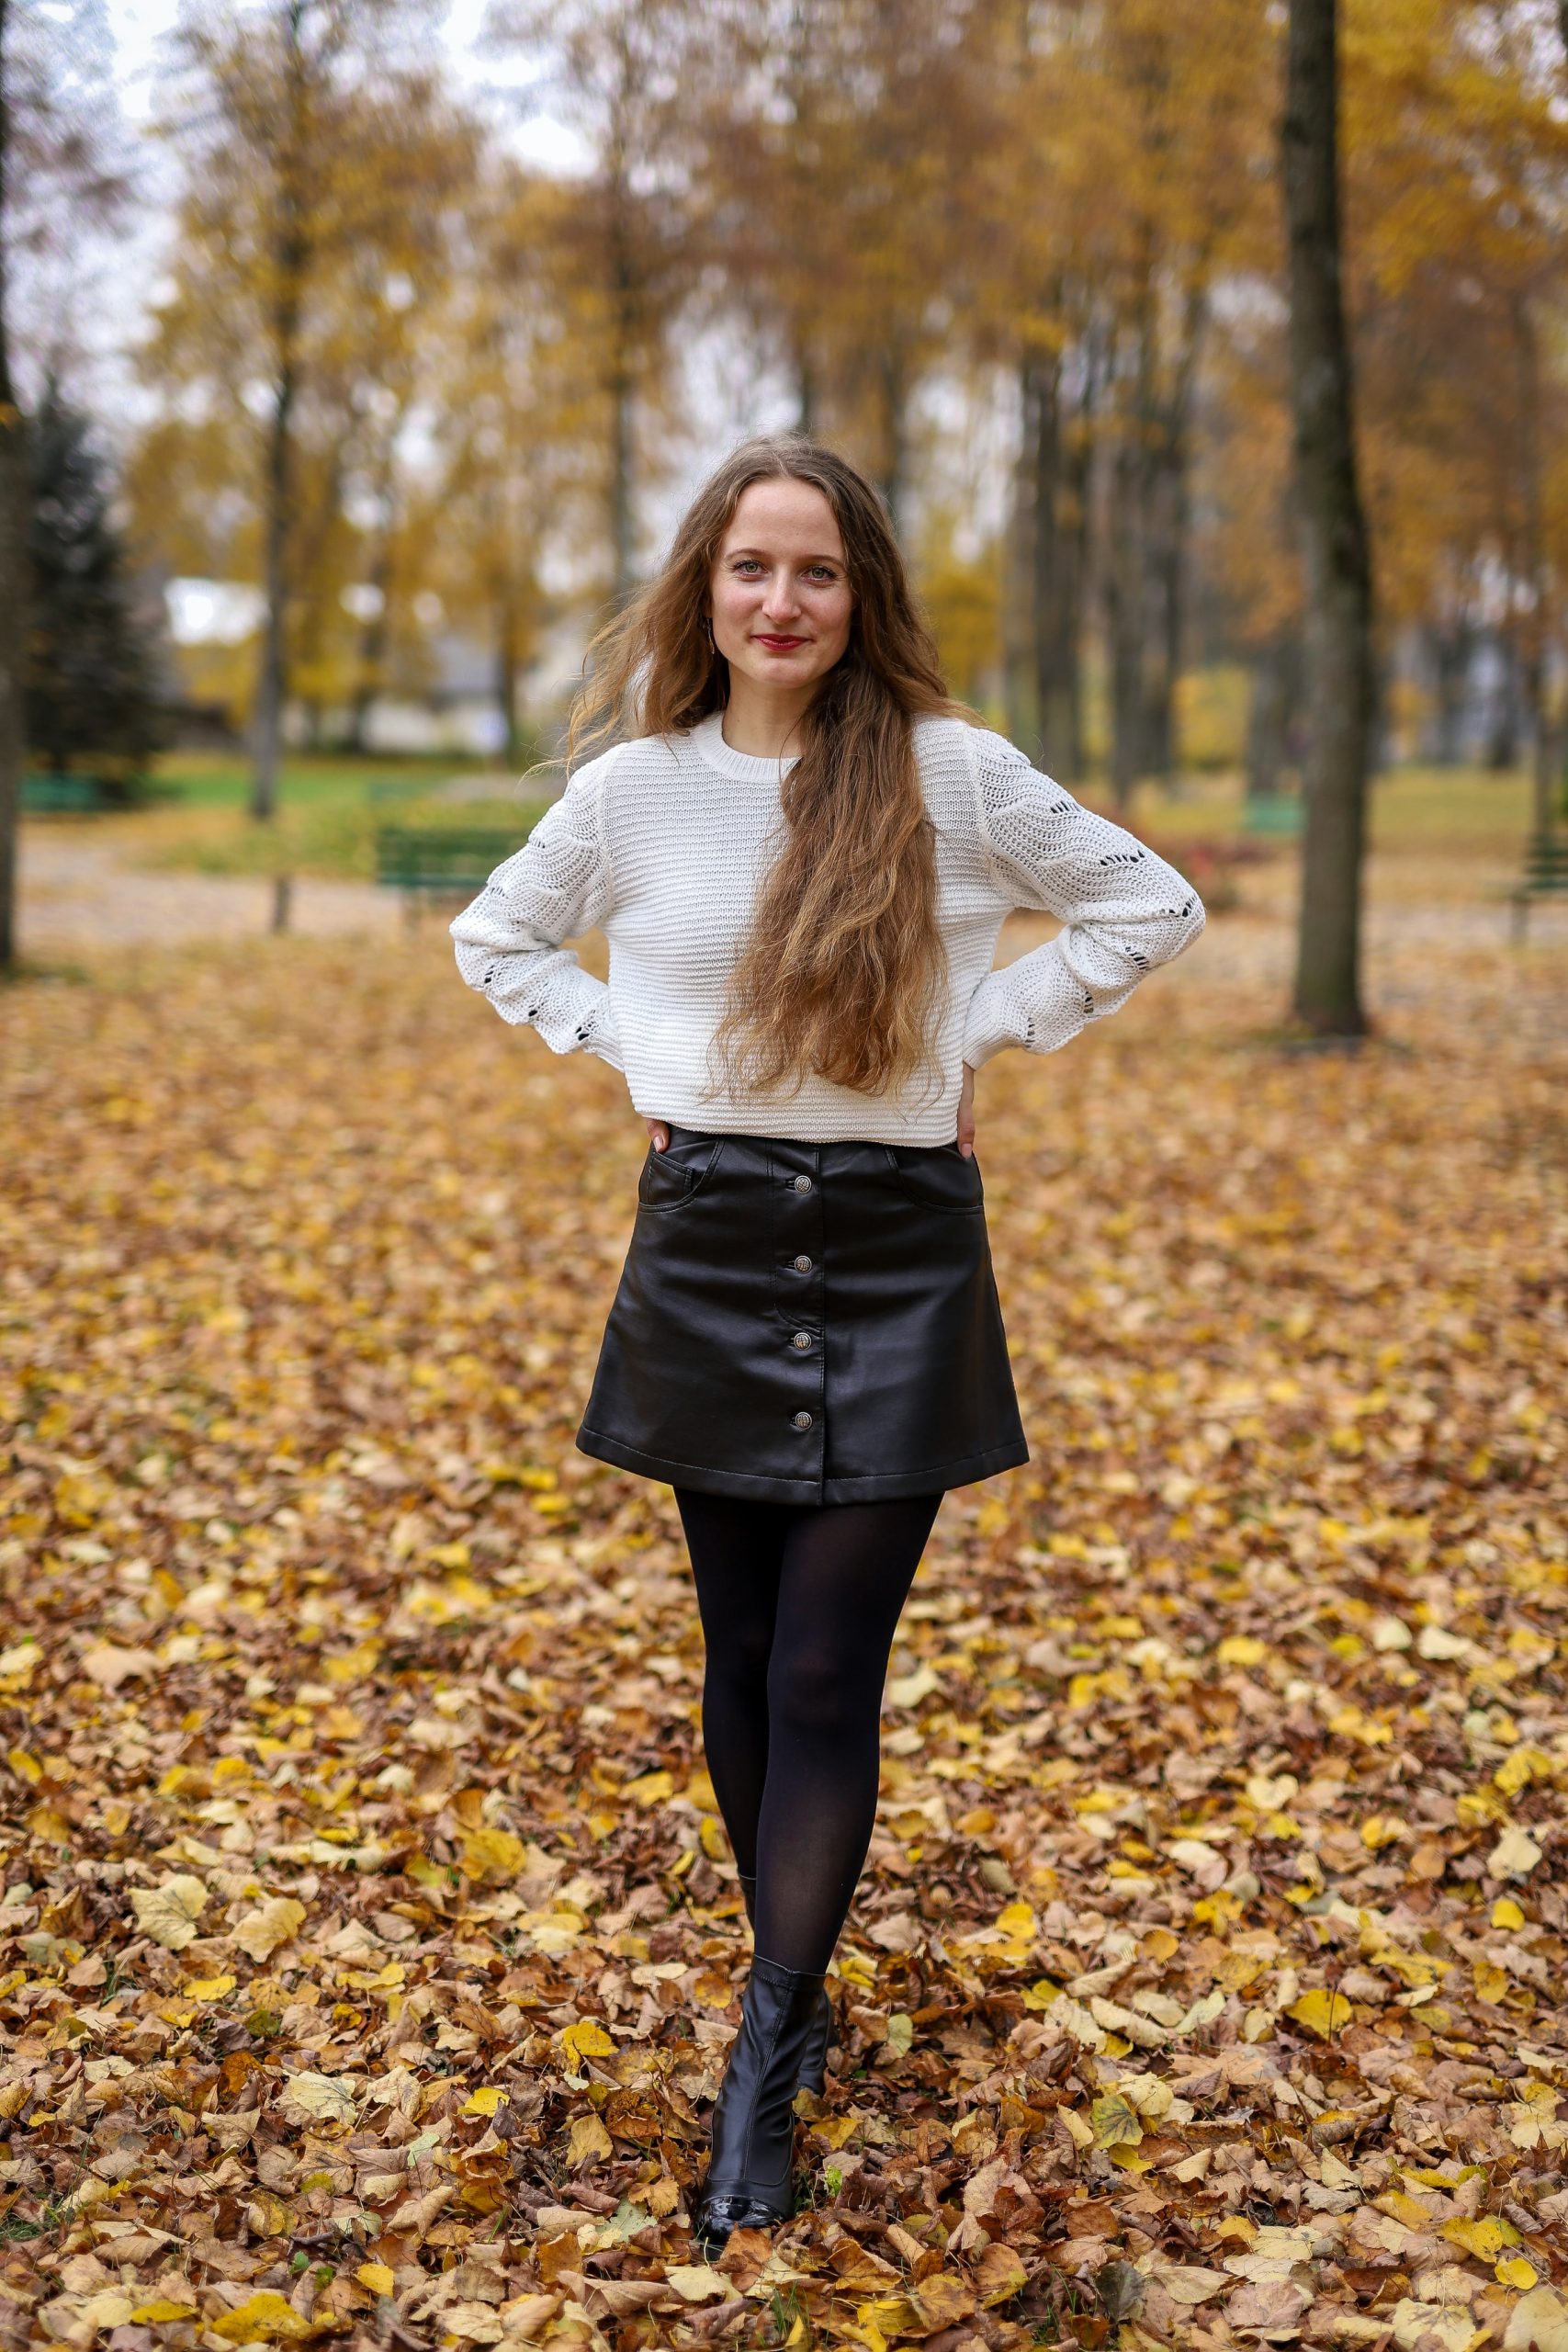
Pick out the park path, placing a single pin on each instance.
(79, 891)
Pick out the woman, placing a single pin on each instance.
(802, 855)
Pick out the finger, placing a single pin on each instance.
(660, 1133)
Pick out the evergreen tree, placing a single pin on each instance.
(92, 672)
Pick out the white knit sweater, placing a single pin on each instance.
(664, 841)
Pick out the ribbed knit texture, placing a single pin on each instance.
(664, 843)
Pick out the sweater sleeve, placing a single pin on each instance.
(1123, 909)
(556, 887)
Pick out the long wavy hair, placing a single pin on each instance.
(843, 967)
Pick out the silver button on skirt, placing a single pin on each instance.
(806, 1322)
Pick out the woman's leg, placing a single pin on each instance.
(845, 1571)
(737, 1550)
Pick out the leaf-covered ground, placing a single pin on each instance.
(370, 1945)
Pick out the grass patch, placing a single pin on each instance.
(330, 839)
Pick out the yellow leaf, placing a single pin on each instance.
(320, 2097)
(1515, 1854)
(1321, 2012)
(265, 2318)
(587, 2039)
(887, 2318)
(1518, 1770)
(25, 1766)
(109, 1665)
(487, 2101)
(1516, 2270)
(1242, 1649)
(900, 2032)
(1115, 2121)
(1506, 1913)
(1040, 1994)
(1380, 1829)
(695, 2281)
(261, 1931)
(650, 1788)
(169, 1913)
(492, 1854)
(164, 2307)
(1485, 2238)
(209, 1988)
(1491, 1982)
(377, 2277)
(590, 2143)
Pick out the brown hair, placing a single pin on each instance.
(845, 964)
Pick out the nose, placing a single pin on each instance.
(781, 602)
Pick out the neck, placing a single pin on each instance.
(764, 721)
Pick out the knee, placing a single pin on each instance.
(820, 1695)
(739, 1671)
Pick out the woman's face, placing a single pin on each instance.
(779, 593)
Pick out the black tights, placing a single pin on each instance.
(799, 1602)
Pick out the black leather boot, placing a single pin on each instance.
(753, 2127)
(814, 2057)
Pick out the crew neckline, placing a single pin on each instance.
(745, 766)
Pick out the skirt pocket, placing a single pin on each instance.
(671, 1177)
(937, 1176)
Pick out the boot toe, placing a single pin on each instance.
(717, 2216)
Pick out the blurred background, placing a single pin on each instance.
(355, 359)
(368, 351)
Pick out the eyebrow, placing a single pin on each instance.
(805, 559)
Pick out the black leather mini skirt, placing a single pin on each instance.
(806, 1322)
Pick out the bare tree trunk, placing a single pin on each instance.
(1017, 558)
(1276, 695)
(1077, 522)
(1339, 685)
(1535, 625)
(1053, 603)
(621, 550)
(1501, 749)
(279, 489)
(506, 668)
(1167, 544)
(1123, 617)
(804, 390)
(1451, 650)
(14, 563)
(1127, 570)
(376, 631)
(891, 383)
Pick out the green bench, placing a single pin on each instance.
(446, 861)
(54, 796)
(1545, 877)
(1272, 812)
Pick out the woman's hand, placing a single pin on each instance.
(966, 1114)
(658, 1131)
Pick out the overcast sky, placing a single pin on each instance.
(136, 25)
(724, 393)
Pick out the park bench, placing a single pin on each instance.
(431, 861)
(1272, 812)
(53, 796)
(1545, 875)
(382, 790)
